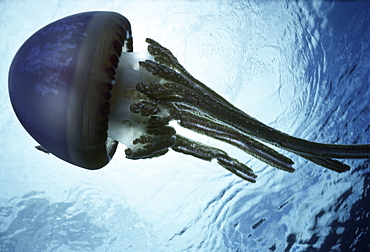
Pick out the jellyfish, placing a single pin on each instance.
(78, 89)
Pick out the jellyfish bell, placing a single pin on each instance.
(77, 88)
(60, 82)
(60, 85)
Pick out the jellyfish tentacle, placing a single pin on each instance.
(251, 146)
(145, 107)
(164, 72)
(214, 103)
(193, 105)
(158, 137)
(162, 93)
(154, 144)
(172, 93)
(190, 101)
(329, 163)
(231, 136)
(208, 153)
(163, 56)
(254, 147)
(206, 126)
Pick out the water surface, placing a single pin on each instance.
(300, 67)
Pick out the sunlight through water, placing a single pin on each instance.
(300, 67)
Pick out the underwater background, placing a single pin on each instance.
(302, 67)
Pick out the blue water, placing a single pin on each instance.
(303, 68)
